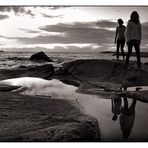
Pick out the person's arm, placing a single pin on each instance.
(116, 35)
(112, 101)
(140, 33)
(127, 32)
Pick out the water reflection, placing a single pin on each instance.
(116, 107)
(127, 117)
(138, 88)
(116, 117)
(127, 114)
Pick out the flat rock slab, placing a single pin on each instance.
(36, 118)
(111, 71)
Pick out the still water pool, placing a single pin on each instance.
(120, 119)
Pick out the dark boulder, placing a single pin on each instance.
(40, 56)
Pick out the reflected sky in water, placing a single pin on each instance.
(132, 122)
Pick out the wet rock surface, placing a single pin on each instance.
(106, 71)
(105, 76)
(28, 118)
(39, 118)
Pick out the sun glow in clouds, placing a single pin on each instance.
(28, 21)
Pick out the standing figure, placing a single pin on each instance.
(120, 38)
(133, 37)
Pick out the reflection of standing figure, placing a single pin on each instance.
(127, 117)
(116, 108)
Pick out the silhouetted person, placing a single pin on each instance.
(127, 117)
(116, 107)
(120, 38)
(133, 36)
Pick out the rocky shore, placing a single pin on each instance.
(111, 76)
(40, 118)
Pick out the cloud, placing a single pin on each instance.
(144, 33)
(52, 16)
(29, 30)
(145, 29)
(16, 9)
(78, 32)
(72, 34)
(58, 7)
(5, 37)
(106, 24)
(2, 17)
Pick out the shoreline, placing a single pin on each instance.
(142, 54)
(84, 74)
(43, 119)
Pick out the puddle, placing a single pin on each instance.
(138, 88)
(130, 125)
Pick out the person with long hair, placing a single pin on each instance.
(120, 38)
(133, 37)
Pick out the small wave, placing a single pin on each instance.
(18, 58)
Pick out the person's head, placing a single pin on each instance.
(126, 133)
(120, 22)
(114, 118)
(134, 17)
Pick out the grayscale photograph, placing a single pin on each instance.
(73, 73)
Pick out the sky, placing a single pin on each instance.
(65, 29)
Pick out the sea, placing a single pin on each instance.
(9, 60)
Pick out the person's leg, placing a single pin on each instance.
(125, 102)
(130, 46)
(132, 107)
(137, 49)
(117, 51)
(122, 47)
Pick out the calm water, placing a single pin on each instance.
(15, 59)
(131, 124)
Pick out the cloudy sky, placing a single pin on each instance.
(64, 29)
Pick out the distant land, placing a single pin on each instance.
(143, 54)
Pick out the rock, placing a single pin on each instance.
(7, 88)
(22, 66)
(146, 63)
(40, 56)
(111, 71)
(36, 118)
(139, 95)
(43, 71)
